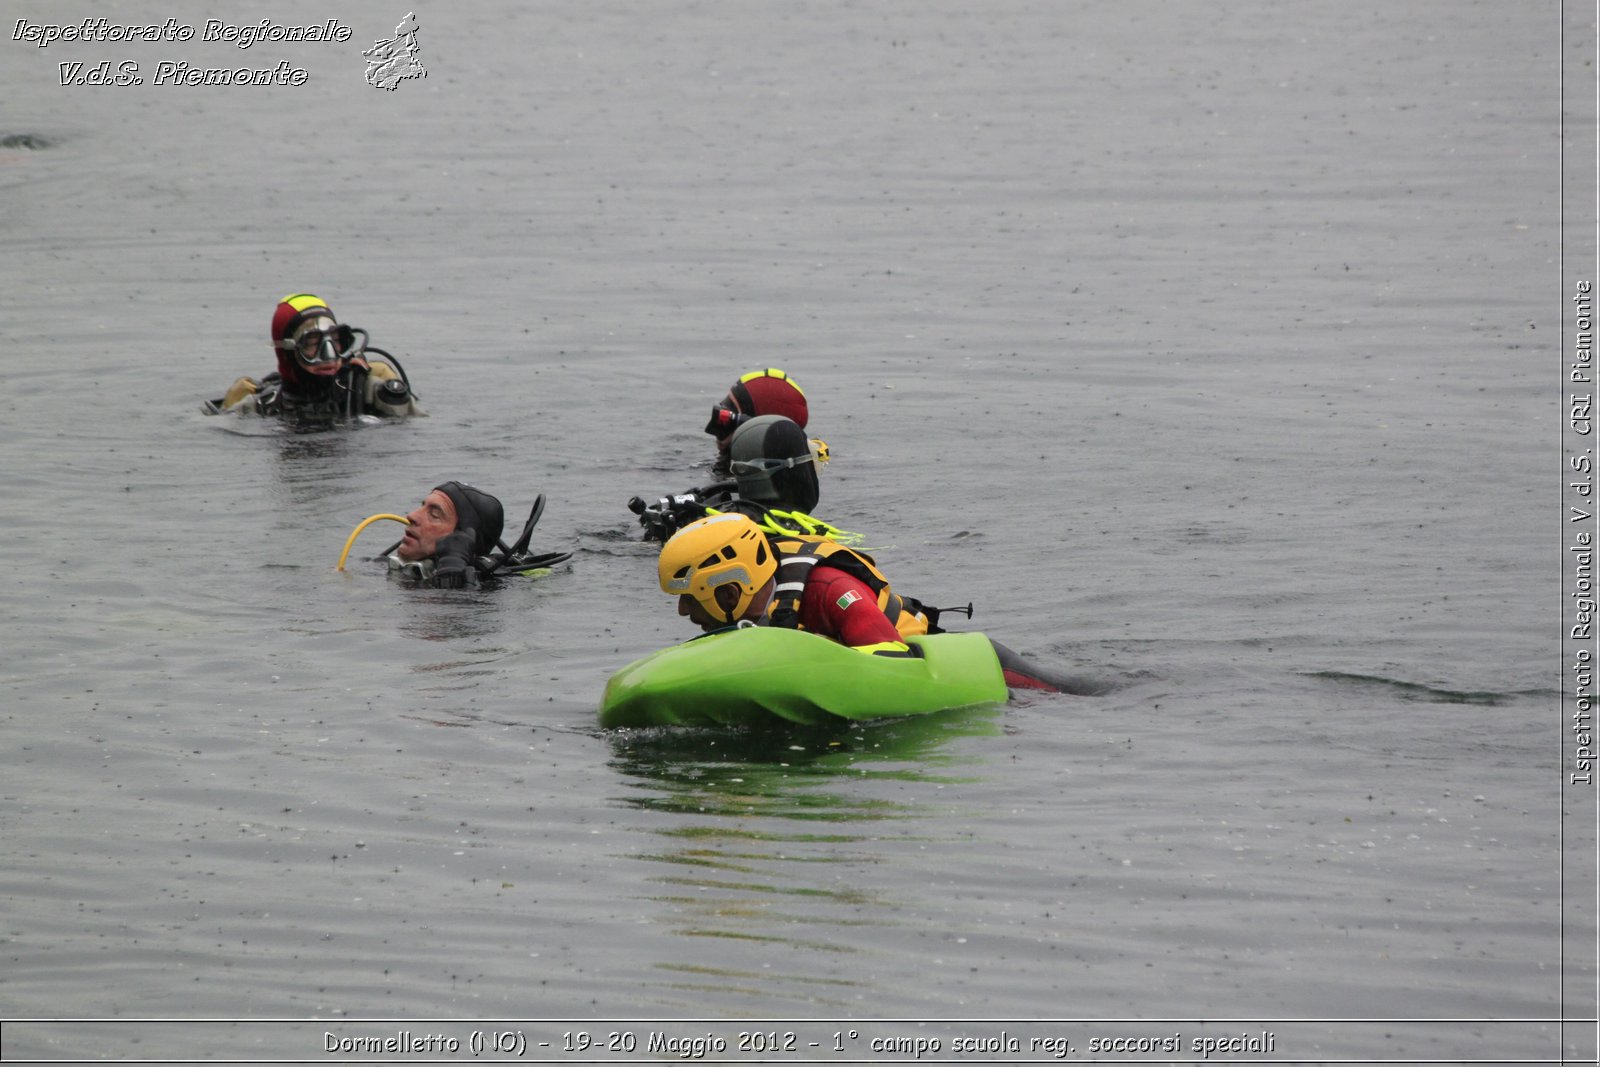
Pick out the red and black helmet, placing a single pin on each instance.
(292, 311)
(761, 392)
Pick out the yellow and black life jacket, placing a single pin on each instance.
(798, 555)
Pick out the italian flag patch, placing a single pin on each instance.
(849, 598)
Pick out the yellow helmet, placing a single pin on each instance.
(718, 550)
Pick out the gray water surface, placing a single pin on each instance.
(1207, 349)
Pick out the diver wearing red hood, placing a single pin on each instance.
(326, 371)
(761, 392)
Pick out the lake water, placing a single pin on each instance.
(1211, 351)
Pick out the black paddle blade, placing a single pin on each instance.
(527, 528)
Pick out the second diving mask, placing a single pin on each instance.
(724, 420)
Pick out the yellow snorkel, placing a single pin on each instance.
(368, 521)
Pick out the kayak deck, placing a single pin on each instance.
(761, 674)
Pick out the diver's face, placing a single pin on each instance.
(434, 518)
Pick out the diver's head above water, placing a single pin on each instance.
(448, 509)
(773, 462)
(761, 392)
(308, 339)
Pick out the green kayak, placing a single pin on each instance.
(759, 675)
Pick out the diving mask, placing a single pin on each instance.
(318, 342)
(724, 420)
(767, 466)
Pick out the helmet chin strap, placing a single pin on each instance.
(727, 612)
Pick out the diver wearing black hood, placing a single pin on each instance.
(774, 465)
(452, 540)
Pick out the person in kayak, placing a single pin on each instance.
(726, 571)
(326, 371)
(760, 392)
(774, 482)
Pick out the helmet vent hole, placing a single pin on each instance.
(761, 554)
(728, 552)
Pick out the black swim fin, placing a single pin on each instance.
(521, 544)
(515, 556)
(1020, 674)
